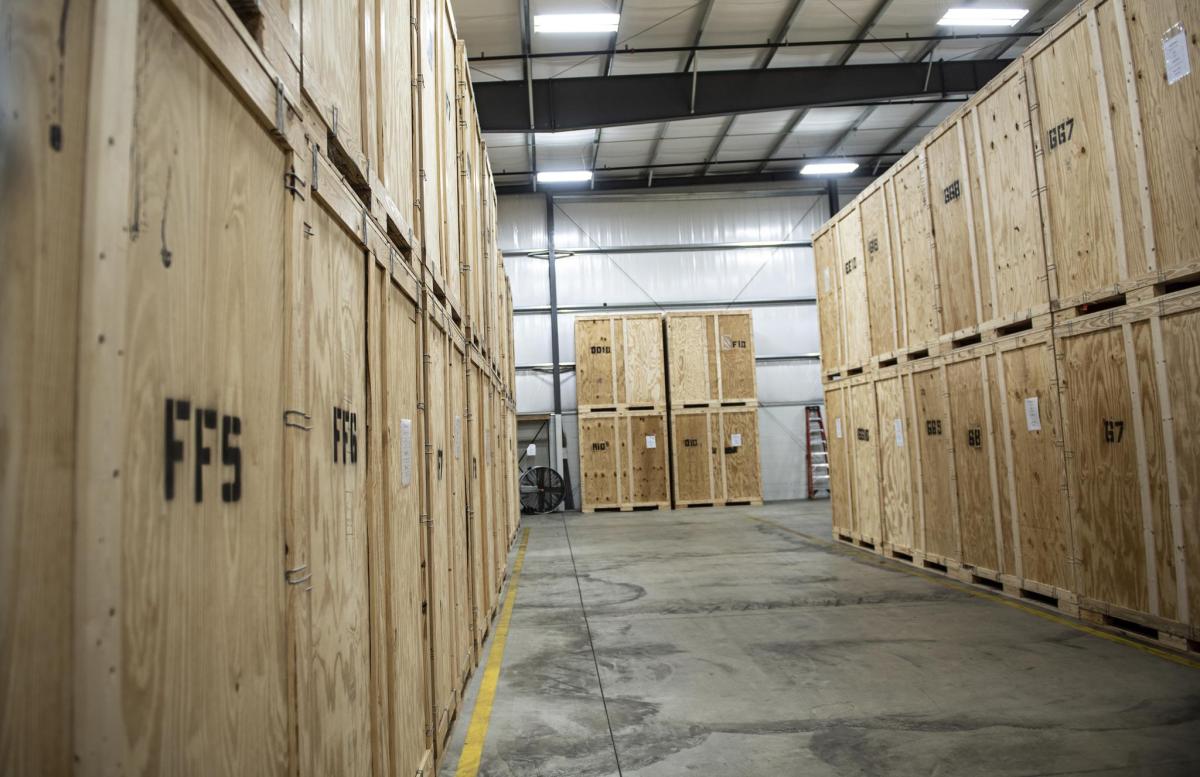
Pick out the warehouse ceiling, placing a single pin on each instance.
(857, 79)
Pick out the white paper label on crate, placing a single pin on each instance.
(405, 451)
(651, 442)
(457, 437)
(899, 425)
(827, 284)
(1033, 415)
(837, 426)
(1175, 53)
(531, 451)
(735, 440)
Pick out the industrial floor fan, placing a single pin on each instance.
(542, 490)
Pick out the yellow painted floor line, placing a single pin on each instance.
(964, 588)
(472, 752)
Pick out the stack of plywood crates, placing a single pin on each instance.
(632, 453)
(1010, 322)
(257, 345)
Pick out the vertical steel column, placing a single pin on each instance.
(831, 188)
(554, 359)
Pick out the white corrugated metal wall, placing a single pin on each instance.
(686, 259)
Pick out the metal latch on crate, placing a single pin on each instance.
(293, 183)
(296, 419)
(280, 109)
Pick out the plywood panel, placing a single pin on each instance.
(1181, 353)
(863, 440)
(396, 144)
(740, 457)
(1037, 485)
(1082, 222)
(430, 106)
(855, 305)
(398, 625)
(937, 486)
(829, 306)
(336, 681)
(601, 461)
(1170, 116)
(646, 457)
(735, 342)
(333, 68)
(693, 449)
(440, 539)
(895, 444)
(595, 361)
(921, 298)
(460, 559)
(196, 308)
(641, 361)
(974, 466)
(1107, 510)
(880, 285)
(45, 93)
(1009, 178)
(692, 363)
(449, 165)
(953, 230)
(841, 471)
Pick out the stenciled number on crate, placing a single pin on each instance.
(933, 428)
(873, 245)
(599, 446)
(863, 434)
(851, 264)
(952, 192)
(975, 437)
(728, 343)
(345, 436)
(1059, 134)
(691, 442)
(596, 349)
(1114, 431)
(178, 412)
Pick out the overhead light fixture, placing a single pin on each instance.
(564, 176)
(576, 22)
(982, 17)
(828, 168)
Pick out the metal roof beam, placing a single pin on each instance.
(586, 103)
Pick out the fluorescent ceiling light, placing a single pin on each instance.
(828, 168)
(576, 22)
(564, 176)
(982, 17)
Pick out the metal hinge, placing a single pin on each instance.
(294, 576)
(428, 449)
(293, 183)
(290, 419)
(280, 109)
(334, 129)
(421, 406)
(316, 152)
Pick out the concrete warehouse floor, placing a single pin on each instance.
(717, 642)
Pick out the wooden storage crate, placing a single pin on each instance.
(43, 122)
(1116, 151)
(884, 287)
(710, 359)
(447, 167)
(855, 309)
(336, 80)
(715, 459)
(623, 460)
(396, 150)
(1131, 408)
(619, 363)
